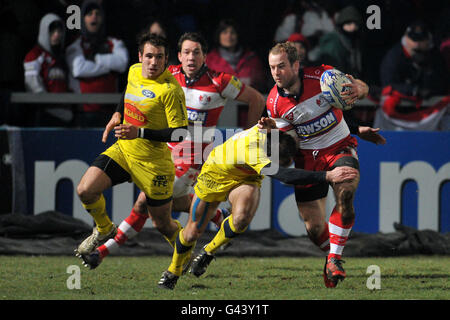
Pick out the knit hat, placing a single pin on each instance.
(298, 37)
(349, 14)
(418, 31)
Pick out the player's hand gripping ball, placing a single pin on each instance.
(331, 83)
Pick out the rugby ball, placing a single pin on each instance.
(331, 82)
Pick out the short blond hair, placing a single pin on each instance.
(288, 48)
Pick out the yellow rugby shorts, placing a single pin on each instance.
(212, 185)
(154, 177)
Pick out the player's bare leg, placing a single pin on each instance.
(199, 216)
(340, 224)
(313, 215)
(127, 229)
(90, 191)
(162, 220)
(244, 201)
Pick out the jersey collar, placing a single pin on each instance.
(200, 73)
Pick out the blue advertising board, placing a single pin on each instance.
(404, 181)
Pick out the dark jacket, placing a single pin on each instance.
(399, 71)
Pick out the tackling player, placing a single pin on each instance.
(234, 171)
(155, 101)
(206, 93)
(298, 108)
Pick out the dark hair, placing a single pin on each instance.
(151, 22)
(154, 40)
(223, 24)
(288, 147)
(195, 37)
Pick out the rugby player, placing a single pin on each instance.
(234, 171)
(206, 93)
(153, 100)
(297, 106)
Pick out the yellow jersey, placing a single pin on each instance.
(154, 104)
(237, 161)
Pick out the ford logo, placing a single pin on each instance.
(148, 93)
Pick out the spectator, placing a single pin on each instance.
(311, 19)
(46, 71)
(413, 70)
(342, 48)
(230, 56)
(18, 32)
(302, 45)
(443, 37)
(94, 61)
(158, 27)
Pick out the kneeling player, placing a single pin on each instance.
(234, 170)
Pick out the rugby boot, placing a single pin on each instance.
(91, 260)
(94, 240)
(168, 280)
(200, 263)
(328, 283)
(334, 270)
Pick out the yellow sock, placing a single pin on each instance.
(182, 251)
(98, 211)
(226, 232)
(173, 238)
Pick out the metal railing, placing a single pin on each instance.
(112, 98)
(227, 118)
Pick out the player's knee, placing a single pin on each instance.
(241, 221)
(85, 195)
(191, 234)
(314, 230)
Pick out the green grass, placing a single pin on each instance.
(231, 278)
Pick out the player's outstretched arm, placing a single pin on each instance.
(302, 177)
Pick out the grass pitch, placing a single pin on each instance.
(227, 278)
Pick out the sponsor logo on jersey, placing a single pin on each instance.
(134, 116)
(289, 116)
(197, 116)
(317, 126)
(148, 93)
(322, 101)
(204, 99)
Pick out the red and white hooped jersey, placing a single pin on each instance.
(206, 97)
(318, 124)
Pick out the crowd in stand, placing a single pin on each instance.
(406, 61)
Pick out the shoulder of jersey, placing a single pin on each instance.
(315, 72)
(135, 66)
(272, 93)
(214, 73)
(174, 69)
